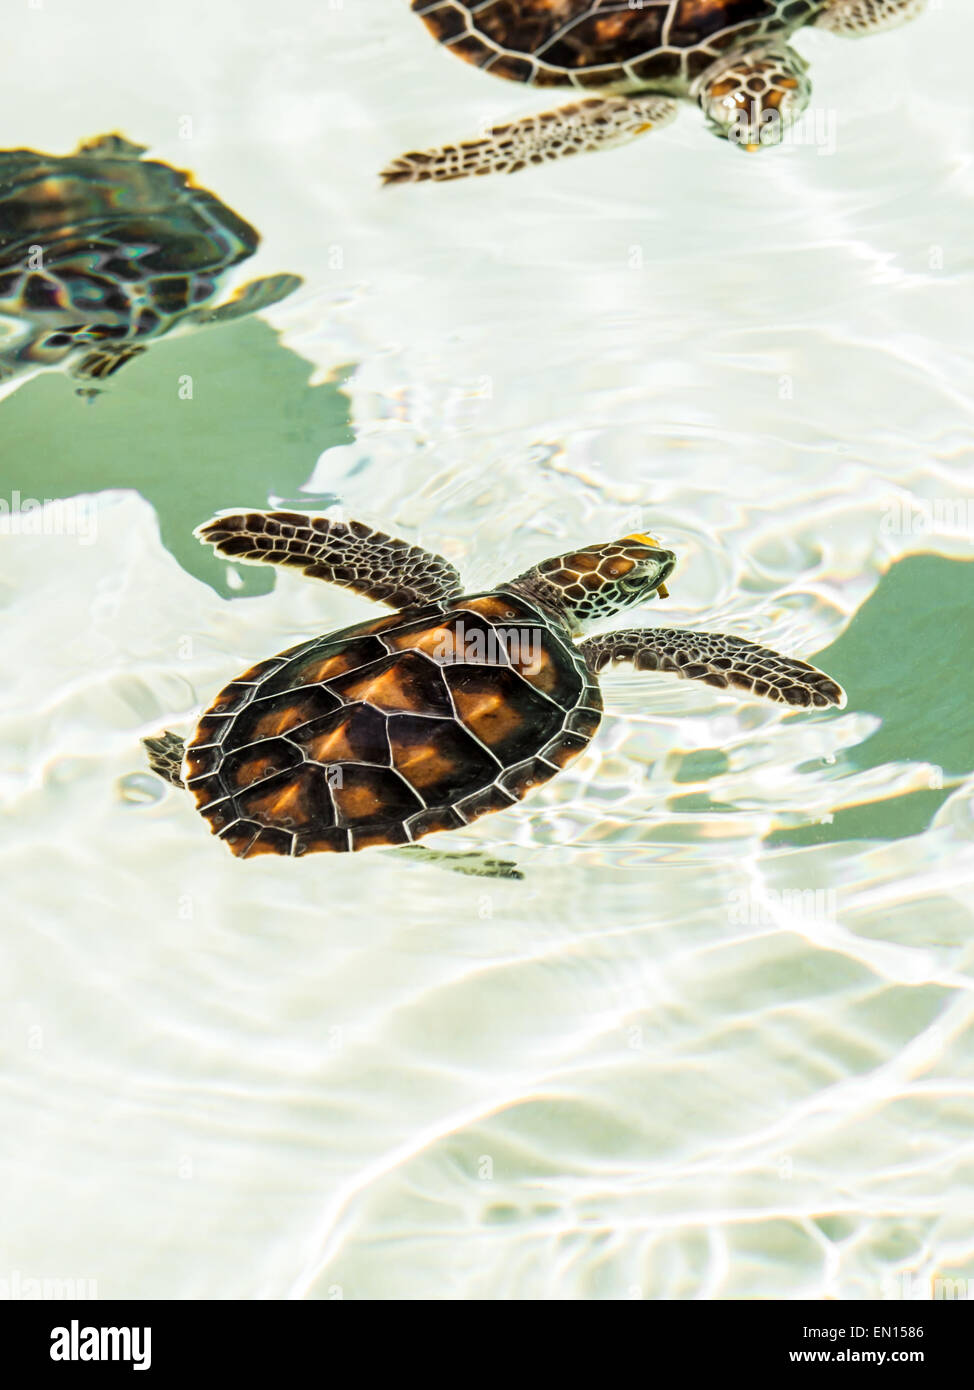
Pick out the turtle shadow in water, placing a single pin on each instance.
(904, 658)
(251, 428)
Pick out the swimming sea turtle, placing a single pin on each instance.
(456, 705)
(102, 251)
(731, 56)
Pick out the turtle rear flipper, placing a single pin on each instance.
(250, 299)
(166, 756)
(105, 362)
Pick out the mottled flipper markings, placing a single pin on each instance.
(579, 128)
(853, 19)
(724, 662)
(350, 554)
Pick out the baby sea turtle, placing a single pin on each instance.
(642, 57)
(456, 705)
(102, 251)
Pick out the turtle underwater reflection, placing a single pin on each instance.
(102, 251)
(456, 706)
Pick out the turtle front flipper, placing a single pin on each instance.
(350, 554)
(250, 299)
(166, 756)
(853, 19)
(724, 662)
(593, 124)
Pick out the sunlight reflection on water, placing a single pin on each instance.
(718, 1041)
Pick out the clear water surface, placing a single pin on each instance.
(719, 1041)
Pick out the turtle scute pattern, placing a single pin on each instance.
(392, 729)
(604, 43)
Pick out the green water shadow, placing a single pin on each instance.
(905, 658)
(254, 428)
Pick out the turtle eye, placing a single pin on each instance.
(647, 578)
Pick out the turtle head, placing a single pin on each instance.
(595, 581)
(751, 97)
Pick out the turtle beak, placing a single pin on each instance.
(662, 592)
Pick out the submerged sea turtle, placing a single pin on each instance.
(102, 251)
(456, 705)
(643, 56)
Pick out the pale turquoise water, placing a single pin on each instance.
(718, 1042)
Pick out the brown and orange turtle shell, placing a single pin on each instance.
(663, 44)
(392, 729)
